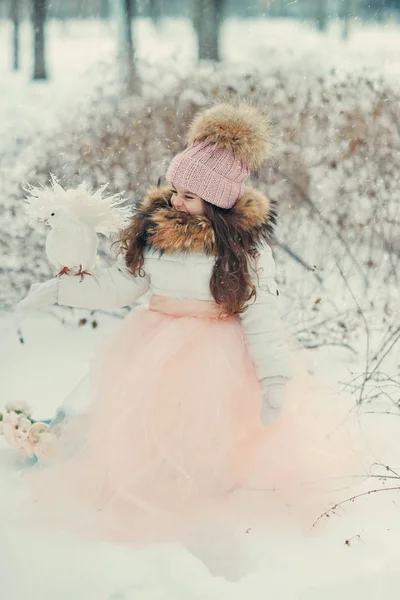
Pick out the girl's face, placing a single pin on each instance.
(187, 202)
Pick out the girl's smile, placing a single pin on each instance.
(182, 199)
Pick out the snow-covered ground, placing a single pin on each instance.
(54, 356)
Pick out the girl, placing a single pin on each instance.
(185, 392)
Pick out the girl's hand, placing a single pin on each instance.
(40, 294)
(273, 399)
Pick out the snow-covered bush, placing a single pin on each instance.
(336, 146)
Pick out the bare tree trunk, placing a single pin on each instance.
(15, 14)
(39, 11)
(347, 11)
(126, 12)
(156, 11)
(321, 14)
(207, 22)
(105, 9)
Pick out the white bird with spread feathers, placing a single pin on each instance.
(76, 217)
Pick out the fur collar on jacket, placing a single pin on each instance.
(166, 229)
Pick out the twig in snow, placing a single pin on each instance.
(332, 510)
(366, 330)
(290, 252)
(348, 542)
(396, 335)
(333, 319)
(322, 344)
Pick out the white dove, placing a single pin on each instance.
(70, 243)
(76, 216)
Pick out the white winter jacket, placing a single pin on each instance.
(170, 271)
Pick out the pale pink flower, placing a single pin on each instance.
(15, 431)
(28, 438)
(44, 440)
(23, 445)
(18, 439)
(46, 447)
(36, 430)
(24, 423)
(12, 418)
(9, 433)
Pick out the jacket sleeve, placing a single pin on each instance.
(262, 322)
(109, 288)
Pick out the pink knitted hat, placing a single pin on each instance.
(226, 143)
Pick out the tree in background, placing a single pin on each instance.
(105, 9)
(321, 14)
(207, 22)
(156, 10)
(39, 11)
(15, 15)
(348, 10)
(126, 10)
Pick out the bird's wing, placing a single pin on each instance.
(88, 247)
(52, 250)
(72, 246)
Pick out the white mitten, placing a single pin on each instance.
(40, 294)
(273, 399)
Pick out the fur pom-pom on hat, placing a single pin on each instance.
(226, 142)
(240, 128)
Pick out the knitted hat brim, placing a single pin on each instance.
(202, 181)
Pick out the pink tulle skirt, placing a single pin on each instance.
(173, 442)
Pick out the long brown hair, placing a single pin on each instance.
(230, 283)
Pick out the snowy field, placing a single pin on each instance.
(54, 356)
